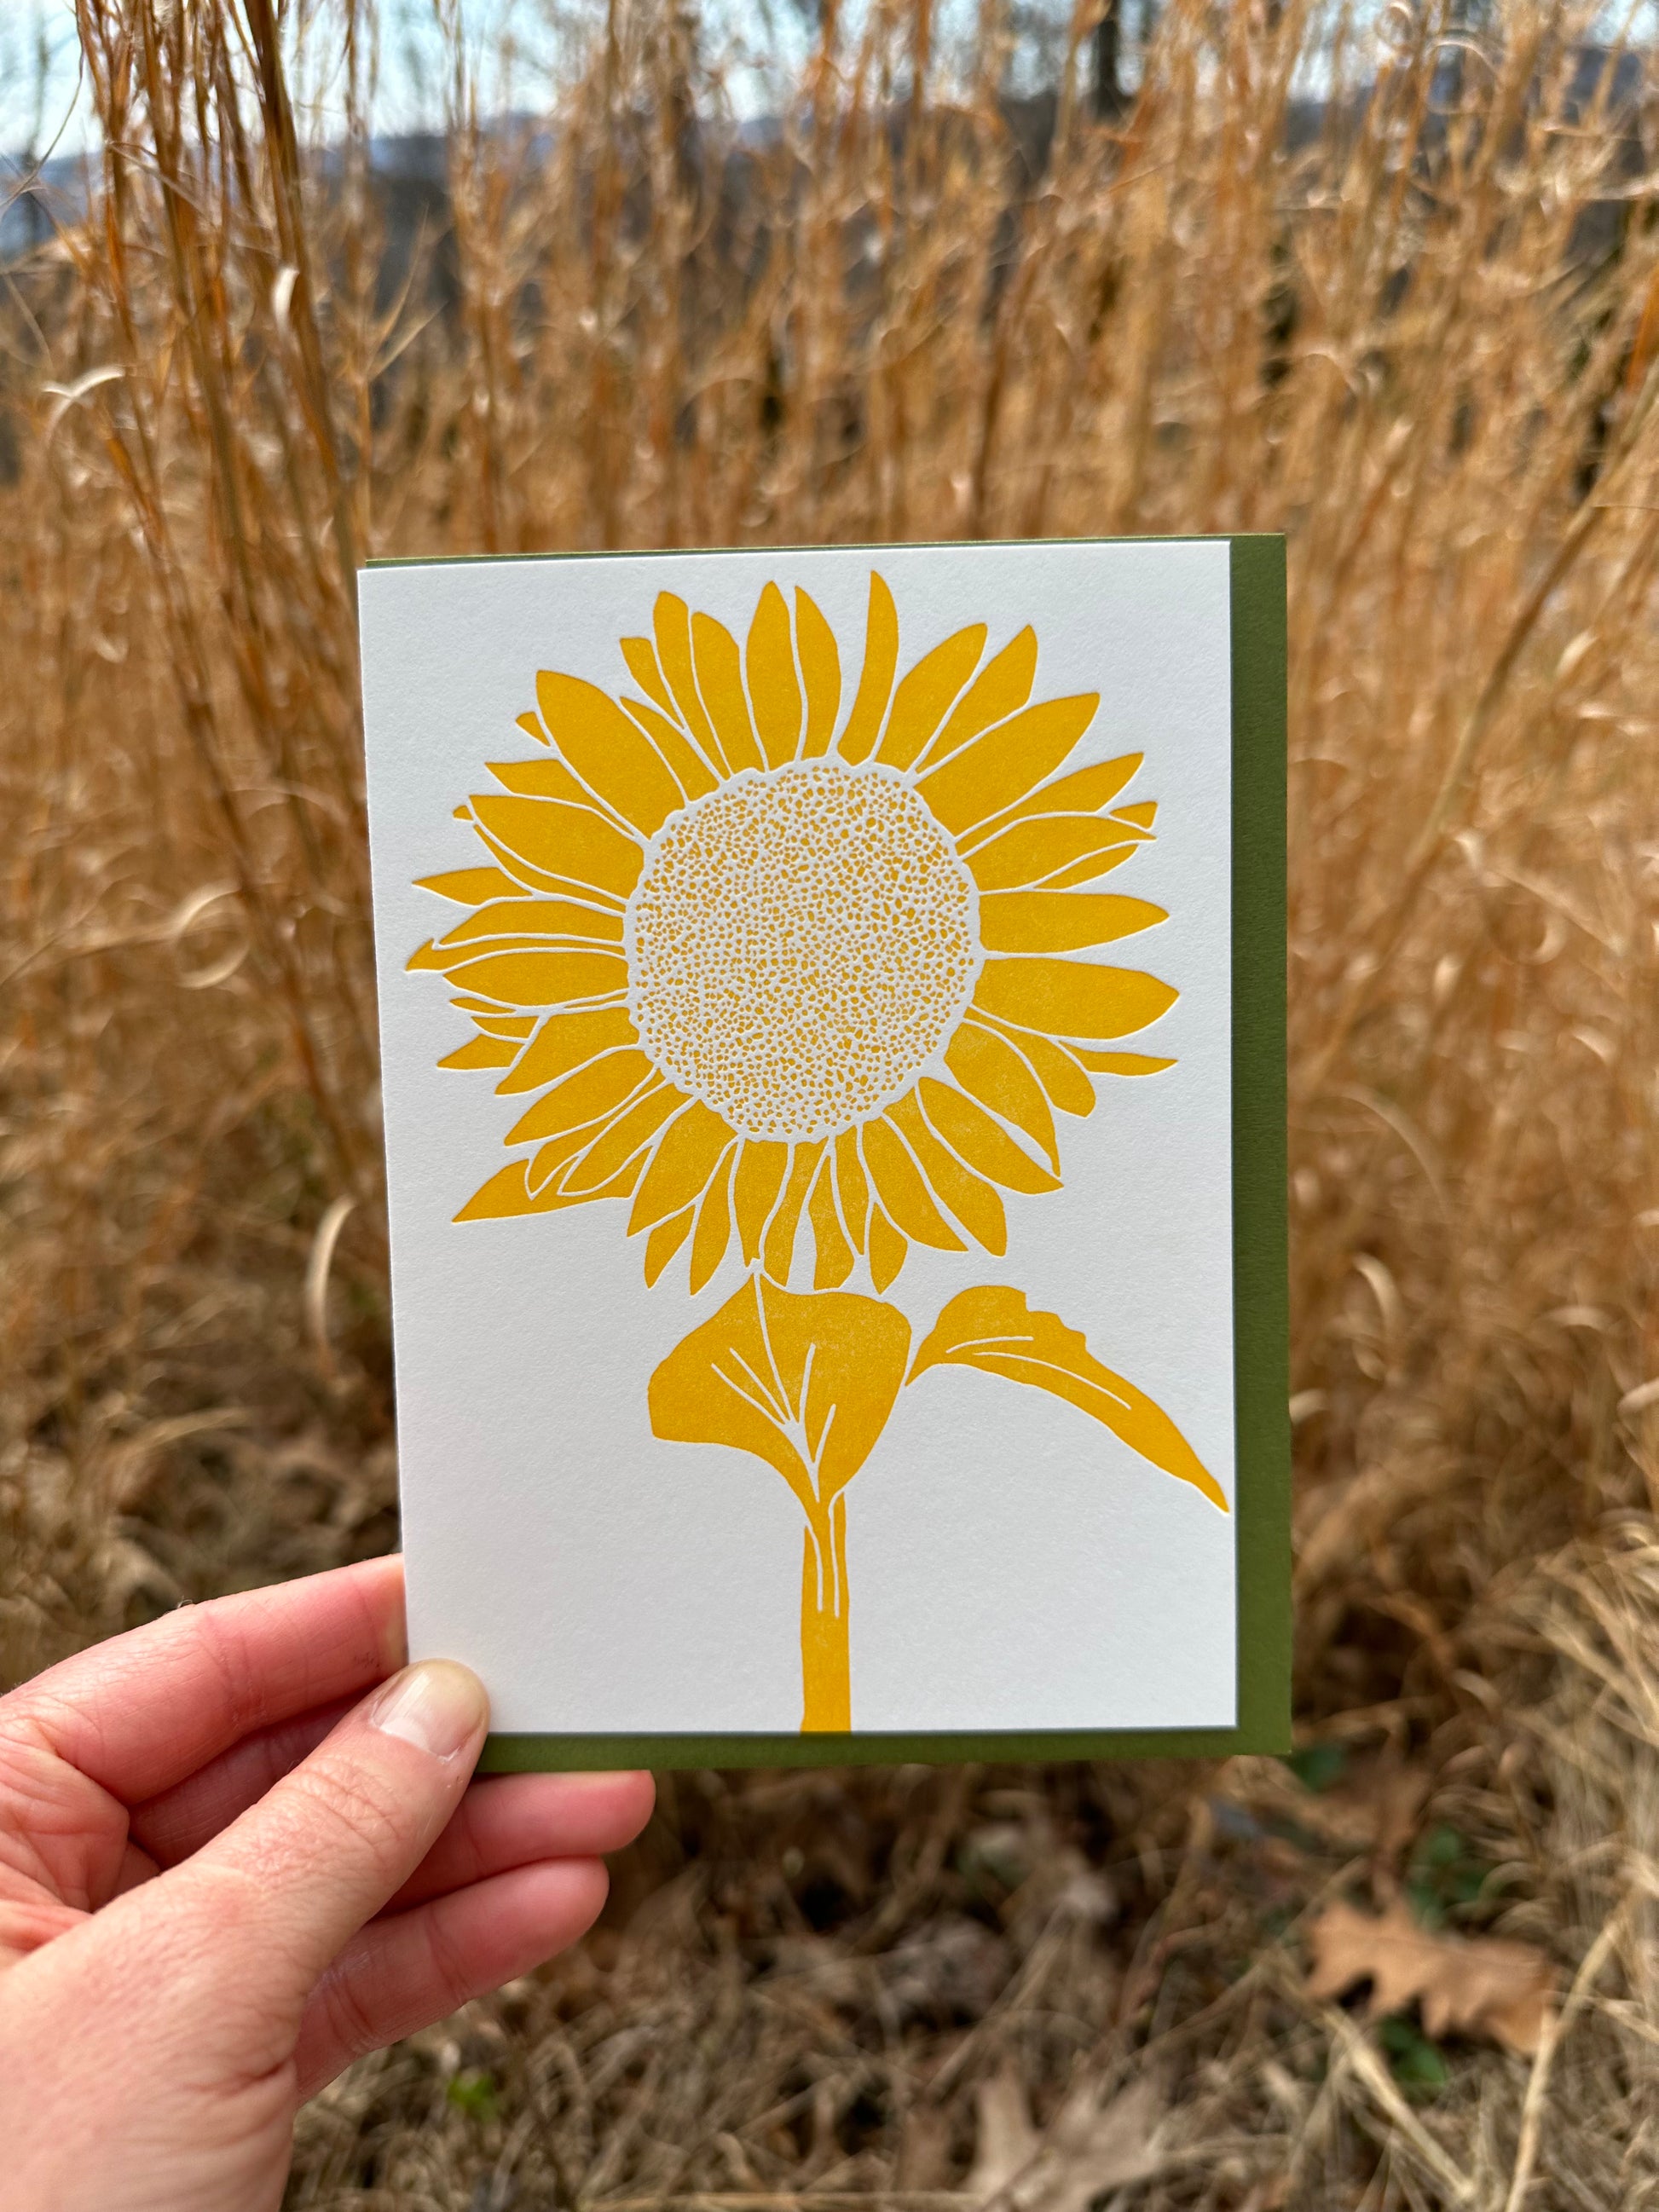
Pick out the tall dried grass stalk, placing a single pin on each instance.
(1416, 326)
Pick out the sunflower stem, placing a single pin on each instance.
(826, 1678)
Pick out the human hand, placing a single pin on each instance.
(221, 1878)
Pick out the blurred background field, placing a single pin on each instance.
(1385, 278)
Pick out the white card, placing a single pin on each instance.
(843, 940)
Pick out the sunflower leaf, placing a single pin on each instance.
(805, 1380)
(993, 1329)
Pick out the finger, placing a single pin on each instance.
(297, 1874)
(137, 1868)
(503, 1822)
(139, 1713)
(28, 1922)
(515, 1820)
(181, 1819)
(402, 1973)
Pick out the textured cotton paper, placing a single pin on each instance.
(807, 1010)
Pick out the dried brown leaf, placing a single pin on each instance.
(1090, 2148)
(1488, 1987)
(1006, 2141)
(1096, 2147)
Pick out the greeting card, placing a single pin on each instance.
(832, 1009)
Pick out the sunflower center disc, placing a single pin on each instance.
(799, 944)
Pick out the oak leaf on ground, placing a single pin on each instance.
(1486, 1986)
(1090, 2148)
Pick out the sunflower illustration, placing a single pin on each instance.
(807, 987)
(761, 963)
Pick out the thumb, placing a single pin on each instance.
(337, 1837)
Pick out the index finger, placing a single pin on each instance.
(139, 1713)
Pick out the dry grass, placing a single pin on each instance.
(1423, 342)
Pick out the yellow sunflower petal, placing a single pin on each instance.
(640, 656)
(570, 842)
(611, 755)
(673, 628)
(482, 1052)
(664, 1240)
(1055, 1066)
(681, 1166)
(988, 1067)
(1089, 870)
(774, 686)
(1060, 922)
(468, 886)
(834, 1254)
(820, 668)
(713, 1223)
(1003, 765)
(530, 918)
(720, 680)
(548, 1191)
(587, 1095)
(899, 1186)
(983, 1144)
(550, 979)
(622, 1143)
(531, 726)
(691, 771)
(430, 958)
(1084, 792)
(447, 959)
(506, 1026)
(583, 1193)
(974, 1203)
(1054, 850)
(556, 1154)
(780, 1247)
(1122, 1063)
(1071, 998)
(852, 1186)
(875, 679)
(1143, 813)
(921, 700)
(887, 1249)
(550, 779)
(760, 1173)
(567, 1040)
(1001, 689)
(522, 876)
(505, 1193)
